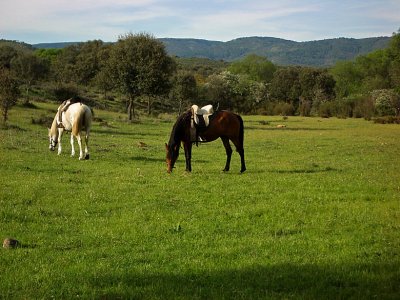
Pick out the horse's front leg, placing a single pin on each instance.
(60, 132)
(228, 150)
(188, 155)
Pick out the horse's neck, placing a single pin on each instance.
(54, 129)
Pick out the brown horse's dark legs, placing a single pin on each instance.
(188, 156)
(240, 150)
(228, 150)
(243, 164)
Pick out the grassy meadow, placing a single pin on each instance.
(315, 216)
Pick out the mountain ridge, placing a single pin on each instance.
(318, 53)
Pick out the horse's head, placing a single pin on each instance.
(172, 155)
(53, 139)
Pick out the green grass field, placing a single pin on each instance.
(315, 216)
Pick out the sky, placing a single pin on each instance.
(46, 21)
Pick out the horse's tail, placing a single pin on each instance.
(241, 131)
(77, 126)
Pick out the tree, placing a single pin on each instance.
(219, 89)
(184, 90)
(7, 53)
(393, 53)
(89, 60)
(257, 68)
(29, 68)
(140, 67)
(9, 92)
(103, 82)
(64, 65)
(285, 86)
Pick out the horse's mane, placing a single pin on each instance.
(178, 130)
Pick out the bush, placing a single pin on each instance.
(65, 91)
(387, 120)
(387, 102)
(283, 109)
(326, 109)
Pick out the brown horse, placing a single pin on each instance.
(223, 124)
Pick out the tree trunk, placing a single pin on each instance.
(131, 109)
(148, 106)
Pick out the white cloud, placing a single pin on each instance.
(47, 20)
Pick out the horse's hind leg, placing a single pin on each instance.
(228, 150)
(240, 150)
(86, 145)
(79, 139)
(242, 162)
(188, 155)
(72, 145)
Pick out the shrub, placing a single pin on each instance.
(387, 102)
(283, 109)
(387, 120)
(65, 91)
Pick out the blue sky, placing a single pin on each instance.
(39, 21)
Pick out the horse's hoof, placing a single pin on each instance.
(87, 156)
(242, 170)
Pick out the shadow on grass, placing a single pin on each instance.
(282, 281)
(146, 158)
(301, 171)
(162, 159)
(124, 133)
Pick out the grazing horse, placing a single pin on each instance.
(222, 124)
(76, 118)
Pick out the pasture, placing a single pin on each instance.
(316, 214)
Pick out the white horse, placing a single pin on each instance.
(76, 118)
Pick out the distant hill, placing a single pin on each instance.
(279, 51)
(320, 53)
(54, 45)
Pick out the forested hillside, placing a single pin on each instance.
(321, 53)
(279, 51)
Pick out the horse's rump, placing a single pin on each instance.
(82, 121)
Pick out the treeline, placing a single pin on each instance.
(136, 75)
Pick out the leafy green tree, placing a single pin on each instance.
(89, 60)
(219, 90)
(347, 77)
(374, 69)
(141, 67)
(184, 90)
(9, 92)
(393, 52)
(103, 82)
(48, 54)
(285, 86)
(7, 53)
(257, 68)
(64, 66)
(29, 68)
